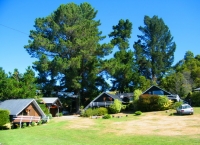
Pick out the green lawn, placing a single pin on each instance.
(60, 133)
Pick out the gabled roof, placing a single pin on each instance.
(15, 106)
(110, 95)
(51, 100)
(156, 87)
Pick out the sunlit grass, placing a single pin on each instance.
(100, 133)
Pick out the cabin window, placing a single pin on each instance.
(159, 92)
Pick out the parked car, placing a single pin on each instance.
(185, 109)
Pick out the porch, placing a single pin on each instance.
(101, 104)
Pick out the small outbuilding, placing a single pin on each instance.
(53, 104)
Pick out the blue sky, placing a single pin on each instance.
(17, 19)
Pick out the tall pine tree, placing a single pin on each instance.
(67, 46)
(154, 51)
(122, 65)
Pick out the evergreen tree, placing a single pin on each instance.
(122, 65)
(66, 44)
(154, 51)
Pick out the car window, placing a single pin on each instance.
(184, 107)
(188, 106)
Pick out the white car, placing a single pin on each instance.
(185, 109)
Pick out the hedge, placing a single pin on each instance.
(4, 117)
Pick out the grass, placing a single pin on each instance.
(58, 133)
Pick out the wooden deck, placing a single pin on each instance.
(26, 119)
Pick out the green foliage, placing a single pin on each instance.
(121, 66)
(102, 111)
(153, 103)
(130, 106)
(43, 107)
(39, 122)
(4, 117)
(195, 99)
(176, 105)
(107, 116)
(136, 94)
(89, 112)
(16, 85)
(164, 103)
(138, 113)
(33, 123)
(49, 115)
(24, 125)
(94, 112)
(115, 107)
(154, 51)
(71, 51)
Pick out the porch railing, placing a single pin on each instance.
(101, 104)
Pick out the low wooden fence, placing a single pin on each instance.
(20, 119)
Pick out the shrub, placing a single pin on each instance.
(4, 117)
(107, 116)
(164, 103)
(40, 122)
(88, 112)
(176, 105)
(96, 111)
(195, 99)
(136, 94)
(49, 115)
(138, 113)
(102, 111)
(24, 125)
(59, 114)
(33, 123)
(153, 103)
(130, 106)
(115, 107)
(16, 125)
(6, 126)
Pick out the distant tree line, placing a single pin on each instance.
(71, 57)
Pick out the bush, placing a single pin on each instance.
(195, 99)
(40, 122)
(107, 116)
(94, 112)
(6, 126)
(164, 103)
(138, 113)
(33, 123)
(4, 117)
(49, 115)
(59, 114)
(153, 103)
(176, 105)
(102, 111)
(88, 112)
(115, 107)
(24, 125)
